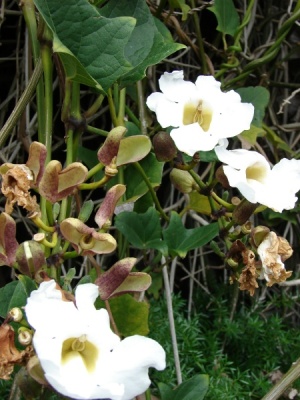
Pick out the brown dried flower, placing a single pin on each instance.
(272, 251)
(249, 274)
(9, 354)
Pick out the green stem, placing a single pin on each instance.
(94, 107)
(72, 143)
(224, 203)
(131, 115)
(97, 131)
(141, 105)
(151, 190)
(94, 185)
(197, 179)
(29, 12)
(46, 56)
(286, 381)
(21, 104)
(121, 111)
(94, 170)
(199, 40)
(112, 108)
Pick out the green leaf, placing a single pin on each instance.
(15, 294)
(96, 42)
(200, 203)
(135, 185)
(194, 388)
(259, 97)
(131, 316)
(150, 41)
(251, 134)
(165, 391)
(142, 230)
(180, 240)
(227, 16)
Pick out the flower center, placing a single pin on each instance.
(80, 347)
(87, 242)
(200, 115)
(257, 172)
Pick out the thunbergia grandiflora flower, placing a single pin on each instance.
(201, 113)
(80, 355)
(251, 173)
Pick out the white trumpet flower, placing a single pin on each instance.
(200, 113)
(80, 355)
(252, 175)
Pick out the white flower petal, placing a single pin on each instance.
(250, 172)
(197, 109)
(167, 112)
(80, 355)
(191, 138)
(132, 357)
(175, 88)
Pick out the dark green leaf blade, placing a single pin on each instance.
(180, 240)
(15, 294)
(95, 41)
(141, 230)
(150, 41)
(227, 16)
(259, 97)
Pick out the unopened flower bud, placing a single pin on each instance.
(164, 147)
(243, 211)
(16, 314)
(24, 337)
(30, 257)
(183, 181)
(222, 178)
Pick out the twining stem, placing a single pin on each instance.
(45, 132)
(112, 321)
(151, 190)
(224, 203)
(22, 103)
(112, 108)
(29, 12)
(197, 179)
(199, 40)
(94, 107)
(141, 105)
(121, 110)
(286, 381)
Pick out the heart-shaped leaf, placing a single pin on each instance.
(150, 41)
(91, 45)
(227, 16)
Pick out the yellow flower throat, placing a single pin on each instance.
(80, 347)
(200, 115)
